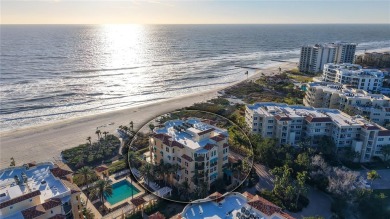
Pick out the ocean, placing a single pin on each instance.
(54, 72)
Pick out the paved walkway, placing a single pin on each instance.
(319, 205)
(91, 206)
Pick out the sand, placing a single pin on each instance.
(45, 142)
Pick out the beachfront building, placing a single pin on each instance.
(313, 57)
(354, 75)
(377, 59)
(43, 190)
(197, 147)
(293, 124)
(233, 206)
(375, 107)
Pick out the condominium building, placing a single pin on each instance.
(375, 107)
(313, 57)
(233, 206)
(43, 190)
(199, 148)
(378, 59)
(345, 52)
(293, 124)
(354, 76)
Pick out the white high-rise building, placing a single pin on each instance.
(313, 57)
(293, 124)
(354, 75)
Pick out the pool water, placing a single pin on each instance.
(121, 191)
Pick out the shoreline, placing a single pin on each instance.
(45, 142)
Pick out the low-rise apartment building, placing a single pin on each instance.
(43, 190)
(375, 107)
(293, 124)
(199, 148)
(354, 75)
(233, 206)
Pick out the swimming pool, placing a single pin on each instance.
(120, 191)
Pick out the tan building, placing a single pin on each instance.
(291, 124)
(43, 190)
(377, 59)
(375, 107)
(198, 148)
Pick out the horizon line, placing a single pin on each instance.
(191, 23)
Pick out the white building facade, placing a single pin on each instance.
(294, 124)
(354, 75)
(313, 57)
(375, 107)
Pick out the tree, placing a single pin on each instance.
(283, 188)
(146, 171)
(102, 188)
(105, 135)
(131, 125)
(85, 173)
(301, 185)
(303, 161)
(12, 164)
(98, 132)
(87, 212)
(89, 140)
(373, 175)
(151, 127)
(385, 151)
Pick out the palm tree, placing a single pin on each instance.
(105, 135)
(373, 175)
(12, 164)
(85, 174)
(146, 171)
(89, 140)
(87, 212)
(131, 124)
(102, 188)
(98, 132)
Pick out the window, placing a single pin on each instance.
(179, 160)
(167, 149)
(318, 124)
(380, 139)
(254, 130)
(186, 171)
(270, 127)
(270, 121)
(255, 124)
(255, 118)
(317, 130)
(185, 163)
(269, 133)
(51, 211)
(173, 150)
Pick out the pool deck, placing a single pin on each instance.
(139, 188)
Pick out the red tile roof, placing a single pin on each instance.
(51, 203)
(282, 118)
(101, 168)
(208, 146)
(33, 212)
(156, 215)
(206, 131)
(19, 199)
(384, 133)
(318, 119)
(138, 201)
(264, 205)
(371, 127)
(58, 216)
(225, 145)
(177, 144)
(218, 138)
(188, 158)
(58, 172)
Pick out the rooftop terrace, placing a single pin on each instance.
(187, 131)
(20, 181)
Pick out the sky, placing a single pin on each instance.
(193, 12)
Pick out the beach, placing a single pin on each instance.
(45, 142)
